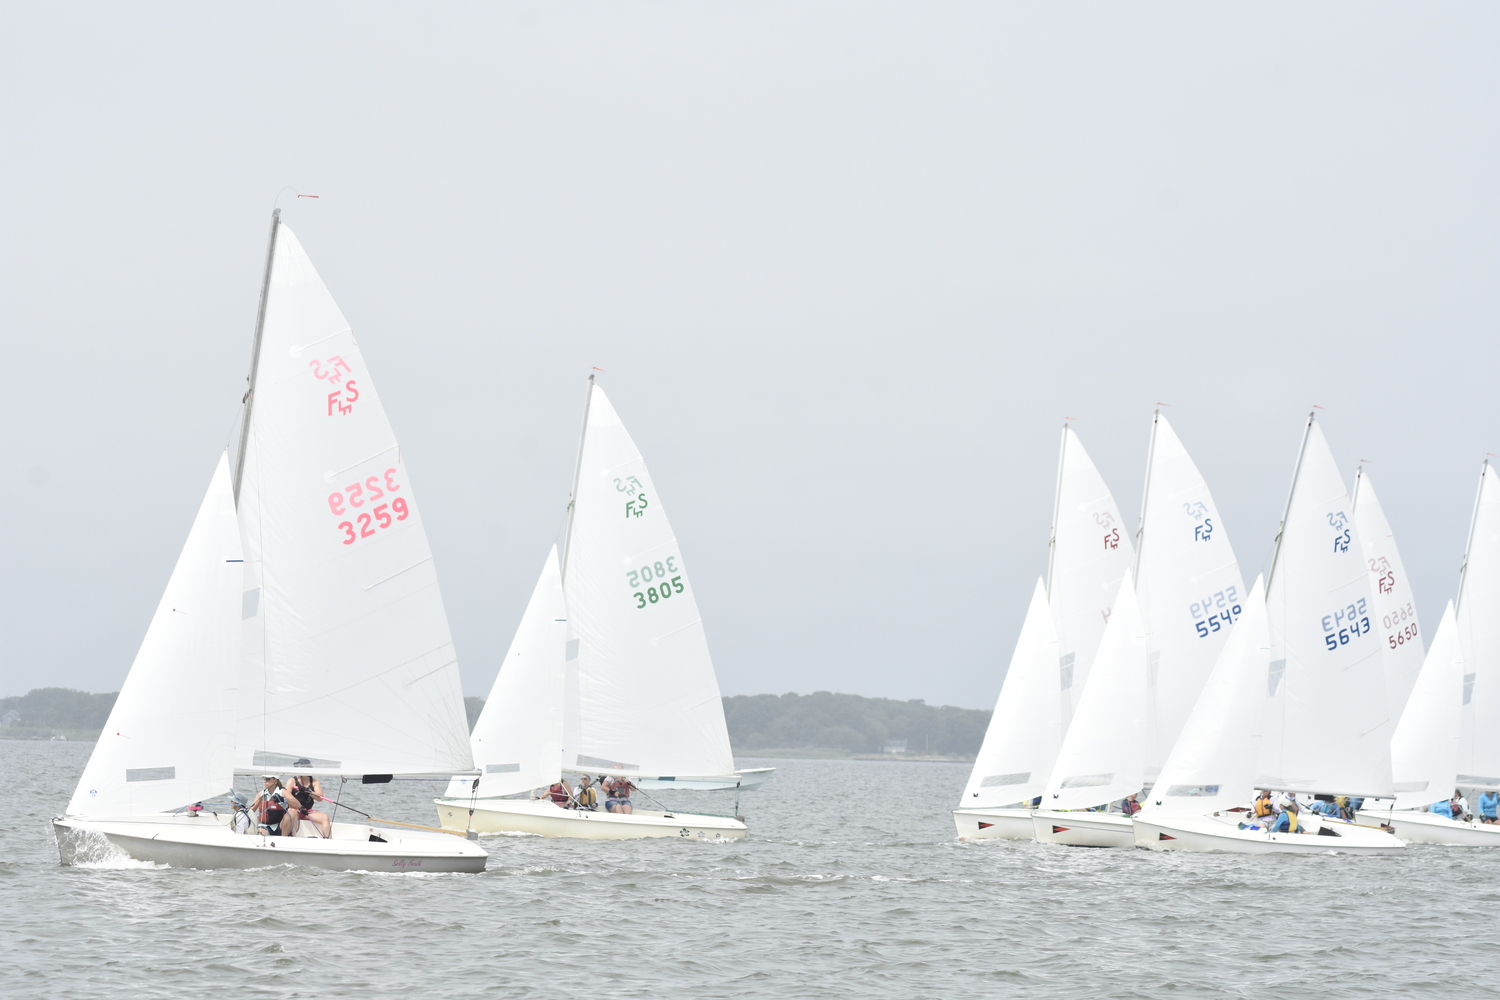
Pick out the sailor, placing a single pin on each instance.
(618, 795)
(560, 793)
(306, 790)
(276, 816)
(585, 797)
(1287, 808)
(1265, 806)
(1131, 804)
(240, 822)
(1489, 807)
(1459, 806)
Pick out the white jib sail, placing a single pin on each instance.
(1189, 587)
(647, 699)
(1021, 742)
(1400, 638)
(1424, 748)
(1212, 765)
(1479, 636)
(517, 740)
(169, 741)
(349, 663)
(1091, 555)
(1103, 754)
(1327, 727)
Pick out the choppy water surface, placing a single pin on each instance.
(851, 885)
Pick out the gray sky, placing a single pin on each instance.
(847, 267)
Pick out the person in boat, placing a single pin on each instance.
(1489, 807)
(306, 790)
(239, 822)
(271, 806)
(618, 795)
(1287, 811)
(560, 792)
(1131, 804)
(586, 797)
(1265, 806)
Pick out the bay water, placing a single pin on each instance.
(851, 884)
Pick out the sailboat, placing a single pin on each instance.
(1447, 737)
(1188, 587)
(1320, 723)
(302, 629)
(1089, 555)
(609, 672)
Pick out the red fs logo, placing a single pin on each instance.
(342, 399)
(1385, 577)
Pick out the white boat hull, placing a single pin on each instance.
(208, 842)
(1082, 829)
(993, 824)
(541, 817)
(1429, 828)
(1223, 834)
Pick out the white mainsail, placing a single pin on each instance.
(517, 740)
(1103, 754)
(1189, 586)
(1021, 742)
(348, 661)
(169, 741)
(1479, 637)
(1212, 765)
(1326, 727)
(1400, 638)
(640, 681)
(1090, 555)
(1424, 747)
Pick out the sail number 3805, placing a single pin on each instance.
(668, 575)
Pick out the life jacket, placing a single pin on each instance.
(587, 798)
(559, 794)
(1263, 807)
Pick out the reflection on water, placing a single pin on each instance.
(850, 885)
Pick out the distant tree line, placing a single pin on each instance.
(821, 721)
(851, 723)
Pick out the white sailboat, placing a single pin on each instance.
(1449, 735)
(1188, 585)
(1323, 717)
(638, 693)
(1102, 758)
(1391, 598)
(333, 657)
(1023, 737)
(1088, 555)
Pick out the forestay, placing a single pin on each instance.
(1326, 726)
(1189, 587)
(1479, 638)
(349, 664)
(1103, 753)
(1021, 743)
(1090, 555)
(647, 701)
(169, 741)
(1424, 747)
(1391, 597)
(517, 740)
(1212, 765)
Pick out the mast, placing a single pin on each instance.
(1062, 454)
(588, 398)
(1463, 571)
(1140, 530)
(1276, 548)
(260, 326)
(1359, 475)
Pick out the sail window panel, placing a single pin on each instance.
(151, 774)
(1193, 791)
(502, 768)
(264, 758)
(609, 765)
(1468, 688)
(251, 604)
(1001, 780)
(1065, 671)
(1088, 780)
(1273, 677)
(1478, 781)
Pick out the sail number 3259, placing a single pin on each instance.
(380, 515)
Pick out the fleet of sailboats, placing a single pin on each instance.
(1149, 693)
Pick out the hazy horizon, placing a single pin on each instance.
(846, 267)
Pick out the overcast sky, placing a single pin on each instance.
(847, 267)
